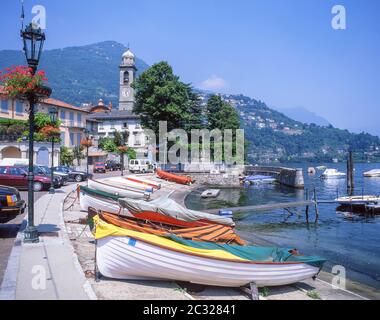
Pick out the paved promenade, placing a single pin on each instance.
(48, 270)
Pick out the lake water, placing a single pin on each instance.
(344, 239)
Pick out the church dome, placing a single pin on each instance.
(128, 54)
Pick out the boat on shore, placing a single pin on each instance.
(174, 177)
(128, 254)
(100, 200)
(211, 233)
(148, 182)
(321, 168)
(332, 174)
(117, 190)
(372, 173)
(124, 183)
(168, 211)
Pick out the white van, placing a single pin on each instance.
(140, 166)
(14, 162)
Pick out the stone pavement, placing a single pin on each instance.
(48, 270)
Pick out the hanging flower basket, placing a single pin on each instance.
(86, 143)
(19, 82)
(50, 132)
(123, 149)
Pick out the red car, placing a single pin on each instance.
(100, 167)
(18, 178)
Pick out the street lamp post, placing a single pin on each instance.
(33, 40)
(53, 112)
(86, 132)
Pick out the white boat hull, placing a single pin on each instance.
(88, 201)
(120, 181)
(123, 192)
(125, 258)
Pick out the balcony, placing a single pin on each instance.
(73, 124)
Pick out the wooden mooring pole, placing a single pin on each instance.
(350, 173)
(307, 207)
(316, 206)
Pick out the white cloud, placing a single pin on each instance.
(214, 83)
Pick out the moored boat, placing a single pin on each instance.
(372, 173)
(358, 200)
(117, 190)
(259, 179)
(170, 212)
(211, 193)
(174, 177)
(127, 254)
(332, 174)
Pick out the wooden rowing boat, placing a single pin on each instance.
(131, 185)
(128, 254)
(211, 232)
(173, 177)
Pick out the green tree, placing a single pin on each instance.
(66, 157)
(78, 154)
(221, 115)
(161, 96)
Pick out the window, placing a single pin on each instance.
(16, 172)
(125, 125)
(3, 170)
(63, 142)
(79, 138)
(63, 115)
(19, 107)
(79, 117)
(71, 116)
(4, 106)
(72, 139)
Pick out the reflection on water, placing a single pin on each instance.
(343, 238)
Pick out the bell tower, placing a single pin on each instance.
(127, 76)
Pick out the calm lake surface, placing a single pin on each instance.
(343, 238)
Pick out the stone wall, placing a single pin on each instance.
(215, 179)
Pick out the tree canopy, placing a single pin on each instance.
(161, 96)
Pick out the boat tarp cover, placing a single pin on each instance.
(253, 253)
(169, 207)
(207, 249)
(102, 194)
(104, 230)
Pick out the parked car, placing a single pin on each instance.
(59, 175)
(18, 178)
(11, 203)
(73, 175)
(112, 165)
(45, 171)
(100, 167)
(140, 166)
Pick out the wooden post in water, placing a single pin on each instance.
(350, 173)
(307, 207)
(316, 206)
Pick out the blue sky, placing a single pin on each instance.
(284, 52)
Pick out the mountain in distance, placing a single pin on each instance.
(81, 74)
(84, 74)
(303, 115)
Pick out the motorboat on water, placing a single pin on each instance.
(122, 253)
(321, 168)
(332, 174)
(358, 200)
(211, 193)
(259, 179)
(372, 173)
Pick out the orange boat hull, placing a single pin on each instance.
(173, 177)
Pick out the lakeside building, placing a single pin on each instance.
(72, 128)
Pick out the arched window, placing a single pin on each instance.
(126, 77)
